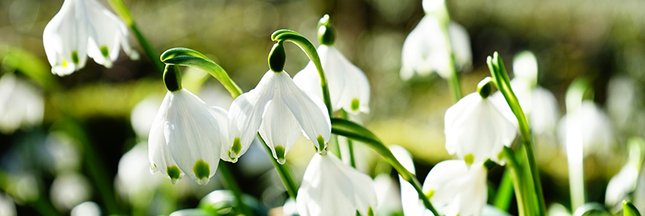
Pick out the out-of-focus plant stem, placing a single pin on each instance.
(283, 171)
(119, 7)
(519, 183)
(350, 143)
(231, 184)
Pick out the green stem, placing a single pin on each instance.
(504, 192)
(283, 172)
(455, 87)
(350, 143)
(231, 184)
(44, 207)
(123, 12)
(518, 182)
(499, 74)
(359, 133)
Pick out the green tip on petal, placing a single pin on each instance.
(64, 63)
(104, 51)
(370, 212)
(321, 144)
(430, 194)
(355, 104)
(279, 152)
(237, 146)
(75, 57)
(469, 159)
(202, 170)
(277, 57)
(485, 87)
(173, 172)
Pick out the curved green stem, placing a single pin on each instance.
(123, 12)
(231, 184)
(500, 76)
(189, 57)
(519, 182)
(283, 172)
(504, 192)
(312, 54)
(350, 143)
(355, 131)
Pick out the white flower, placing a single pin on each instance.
(133, 180)
(68, 190)
(525, 66)
(87, 208)
(186, 137)
(621, 185)
(7, 206)
(331, 187)
(427, 49)
(349, 88)
(478, 128)
(280, 111)
(409, 197)
(538, 103)
(143, 114)
(20, 104)
(387, 193)
(80, 28)
(457, 188)
(594, 126)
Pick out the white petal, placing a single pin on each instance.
(525, 66)
(311, 114)
(158, 152)
(460, 43)
(221, 116)
(106, 34)
(545, 112)
(21, 104)
(426, 50)
(64, 35)
(193, 136)
(355, 95)
(409, 198)
(457, 189)
(330, 187)
(245, 114)
(280, 129)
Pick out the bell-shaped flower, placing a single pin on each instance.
(478, 128)
(84, 28)
(133, 181)
(621, 185)
(186, 137)
(331, 187)
(457, 188)
(595, 129)
(349, 88)
(21, 104)
(428, 48)
(87, 208)
(279, 110)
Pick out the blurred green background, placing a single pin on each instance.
(595, 39)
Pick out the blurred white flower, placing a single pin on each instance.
(621, 185)
(87, 208)
(539, 105)
(410, 202)
(7, 206)
(623, 104)
(280, 111)
(61, 153)
(21, 104)
(456, 188)
(186, 137)
(331, 187)
(143, 114)
(478, 128)
(428, 49)
(133, 181)
(349, 88)
(595, 128)
(525, 66)
(80, 28)
(387, 194)
(68, 190)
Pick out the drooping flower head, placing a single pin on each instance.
(478, 127)
(84, 28)
(348, 86)
(457, 188)
(187, 135)
(20, 104)
(331, 187)
(279, 110)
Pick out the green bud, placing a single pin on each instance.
(172, 78)
(277, 57)
(326, 35)
(485, 87)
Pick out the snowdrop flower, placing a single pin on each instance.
(595, 128)
(20, 104)
(88, 208)
(280, 111)
(133, 179)
(428, 49)
(331, 187)
(457, 188)
(621, 185)
(7, 206)
(387, 193)
(478, 127)
(186, 135)
(410, 202)
(349, 88)
(80, 28)
(68, 190)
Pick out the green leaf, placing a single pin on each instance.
(629, 209)
(352, 130)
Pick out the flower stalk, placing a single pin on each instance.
(501, 80)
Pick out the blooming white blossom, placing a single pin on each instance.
(7, 206)
(478, 128)
(387, 193)
(21, 104)
(538, 103)
(331, 187)
(456, 188)
(84, 28)
(621, 185)
(186, 137)
(143, 114)
(133, 179)
(87, 208)
(68, 190)
(349, 88)
(595, 130)
(428, 49)
(280, 111)
(410, 202)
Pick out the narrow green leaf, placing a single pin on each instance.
(629, 209)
